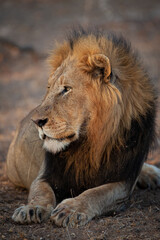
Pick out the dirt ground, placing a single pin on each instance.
(28, 29)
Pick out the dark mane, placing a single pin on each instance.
(79, 32)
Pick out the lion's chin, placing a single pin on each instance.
(55, 146)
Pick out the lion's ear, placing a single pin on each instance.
(99, 66)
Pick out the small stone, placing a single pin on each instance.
(73, 235)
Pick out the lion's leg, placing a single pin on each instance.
(41, 201)
(91, 203)
(149, 177)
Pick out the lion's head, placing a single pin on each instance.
(72, 100)
(94, 90)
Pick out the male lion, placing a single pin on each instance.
(96, 125)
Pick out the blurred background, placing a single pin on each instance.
(28, 30)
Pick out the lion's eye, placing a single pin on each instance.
(65, 90)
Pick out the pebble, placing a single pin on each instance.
(73, 235)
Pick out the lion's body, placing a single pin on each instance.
(97, 122)
(25, 154)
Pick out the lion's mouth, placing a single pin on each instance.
(69, 137)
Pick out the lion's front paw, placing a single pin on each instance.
(149, 177)
(29, 213)
(70, 213)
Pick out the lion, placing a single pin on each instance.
(82, 150)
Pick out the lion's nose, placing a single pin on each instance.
(40, 122)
